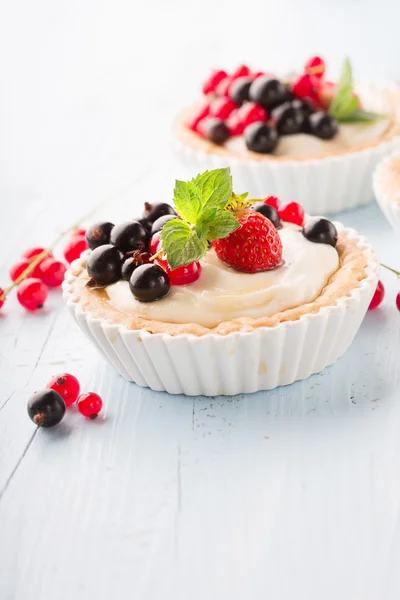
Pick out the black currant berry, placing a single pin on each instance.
(149, 283)
(104, 264)
(320, 231)
(288, 120)
(302, 105)
(46, 408)
(129, 236)
(215, 130)
(268, 92)
(159, 224)
(260, 137)
(239, 89)
(152, 212)
(323, 126)
(99, 234)
(268, 211)
(133, 262)
(146, 224)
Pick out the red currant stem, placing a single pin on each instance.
(159, 253)
(39, 257)
(390, 269)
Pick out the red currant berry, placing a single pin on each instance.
(397, 300)
(241, 71)
(19, 267)
(251, 113)
(221, 108)
(377, 297)
(234, 125)
(302, 87)
(89, 405)
(315, 66)
(66, 385)
(32, 252)
(2, 300)
(222, 88)
(258, 74)
(52, 272)
(273, 201)
(32, 293)
(79, 232)
(292, 213)
(211, 83)
(182, 275)
(155, 240)
(203, 112)
(74, 248)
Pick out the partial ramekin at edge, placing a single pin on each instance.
(323, 185)
(388, 200)
(240, 362)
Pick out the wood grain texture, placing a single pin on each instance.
(288, 494)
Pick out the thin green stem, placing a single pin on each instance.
(392, 270)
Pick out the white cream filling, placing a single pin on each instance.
(222, 293)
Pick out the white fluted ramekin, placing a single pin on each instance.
(236, 363)
(387, 195)
(322, 185)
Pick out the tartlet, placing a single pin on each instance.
(279, 323)
(325, 176)
(386, 184)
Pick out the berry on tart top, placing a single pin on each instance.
(306, 104)
(244, 234)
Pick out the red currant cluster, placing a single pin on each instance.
(38, 270)
(380, 292)
(262, 107)
(47, 407)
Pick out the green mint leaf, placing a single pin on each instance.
(215, 187)
(181, 243)
(344, 102)
(206, 219)
(223, 224)
(188, 200)
(362, 116)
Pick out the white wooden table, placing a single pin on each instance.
(290, 494)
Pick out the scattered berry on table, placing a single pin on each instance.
(98, 234)
(133, 262)
(320, 231)
(66, 385)
(315, 66)
(215, 130)
(260, 137)
(160, 222)
(215, 78)
(46, 408)
(104, 264)
(32, 293)
(1, 299)
(52, 272)
(89, 405)
(152, 212)
(268, 211)
(239, 90)
(74, 248)
(323, 125)
(378, 296)
(32, 252)
(292, 213)
(268, 92)
(129, 236)
(18, 268)
(149, 283)
(397, 301)
(255, 246)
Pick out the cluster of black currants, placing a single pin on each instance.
(122, 252)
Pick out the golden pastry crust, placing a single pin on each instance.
(352, 270)
(192, 139)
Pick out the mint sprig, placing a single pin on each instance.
(200, 204)
(345, 106)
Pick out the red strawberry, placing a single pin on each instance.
(255, 246)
